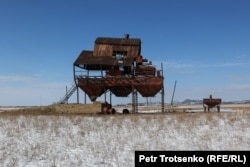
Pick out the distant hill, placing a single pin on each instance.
(191, 102)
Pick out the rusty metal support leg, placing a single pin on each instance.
(162, 91)
(162, 100)
(218, 108)
(134, 101)
(77, 95)
(105, 99)
(136, 98)
(110, 99)
(205, 109)
(85, 98)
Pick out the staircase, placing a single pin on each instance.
(71, 90)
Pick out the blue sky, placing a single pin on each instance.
(203, 44)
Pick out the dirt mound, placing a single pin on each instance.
(58, 109)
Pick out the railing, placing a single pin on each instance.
(68, 93)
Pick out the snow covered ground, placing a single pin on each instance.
(47, 141)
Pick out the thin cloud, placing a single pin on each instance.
(245, 87)
(47, 92)
(195, 67)
(16, 78)
(222, 65)
(178, 65)
(242, 58)
(26, 90)
(240, 77)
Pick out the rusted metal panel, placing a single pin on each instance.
(211, 102)
(148, 86)
(121, 91)
(93, 87)
(121, 86)
(145, 70)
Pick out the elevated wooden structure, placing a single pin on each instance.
(123, 70)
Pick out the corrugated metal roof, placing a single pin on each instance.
(118, 41)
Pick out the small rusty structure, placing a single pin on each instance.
(123, 70)
(210, 102)
(106, 108)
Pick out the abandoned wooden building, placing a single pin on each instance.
(123, 69)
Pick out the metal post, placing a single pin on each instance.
(173, 93)
(110, 99)
(66, 94)
(85, 98)
(77, 94)
(218, 108)
(162, 99)
(162, 92)
(105, 96)
(134, 101)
